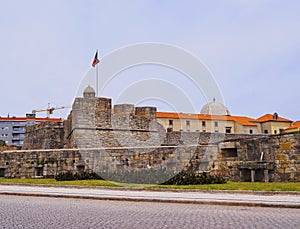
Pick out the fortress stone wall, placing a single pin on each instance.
(45, 135)
(92, 124)
(202, 138)
(270, 158)
(97, 137)
(48, 163)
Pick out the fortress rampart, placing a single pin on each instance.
(269, 158)
(97, 137)
(92, 124)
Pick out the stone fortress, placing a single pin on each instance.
(97, 137)
(93, 123)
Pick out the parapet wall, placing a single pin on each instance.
(45, 135)
(270, 158)
(48, 163)
(202, 138)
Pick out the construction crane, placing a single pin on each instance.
(49, 110)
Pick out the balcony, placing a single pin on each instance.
(18, 130)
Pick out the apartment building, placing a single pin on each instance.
(12, 129)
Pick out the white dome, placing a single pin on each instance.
(214, 108)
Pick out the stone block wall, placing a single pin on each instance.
(269, 158)
(131, 138)
(68, 138)
(195, 138)
(91, 112)
(48, 163)
(146, 112)
(92, 124)
(39, 163)
(239, 160)
(45, 135)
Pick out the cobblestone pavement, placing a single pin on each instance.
(43, 212)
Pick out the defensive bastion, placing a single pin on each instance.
(96, 137)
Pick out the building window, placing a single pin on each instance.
(170, 123)
(228, 130)
(216, 124)
(251, 131)
(188, 125)
(266, 132)
(231, 152)
(275, 131)
(29, 123)
(203, 124)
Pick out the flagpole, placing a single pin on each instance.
(97, 79)
(95, 64)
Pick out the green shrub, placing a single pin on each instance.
(68, 176)
(147, 176)
(188, 178)
(2, 143)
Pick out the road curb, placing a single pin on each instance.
(161, 189)
(158, 200)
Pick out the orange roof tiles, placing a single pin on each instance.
(245, 121)
(24, 119)
(174, 115)
(269, 117)
(295, 125)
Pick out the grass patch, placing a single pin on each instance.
(54, 182)
(230, 185)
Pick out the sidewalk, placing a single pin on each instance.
(192, 197)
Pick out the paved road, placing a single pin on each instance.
(166, 196)
(44, 212)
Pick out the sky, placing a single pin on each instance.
(251, 47)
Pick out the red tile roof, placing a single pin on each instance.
(295, 125)
(245, 121)
(24, 119)
(269, 117)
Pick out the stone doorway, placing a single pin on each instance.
(80, 169)
(245, 175)
(2, 172)
(38, 171)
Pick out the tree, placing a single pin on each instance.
(2, 143)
